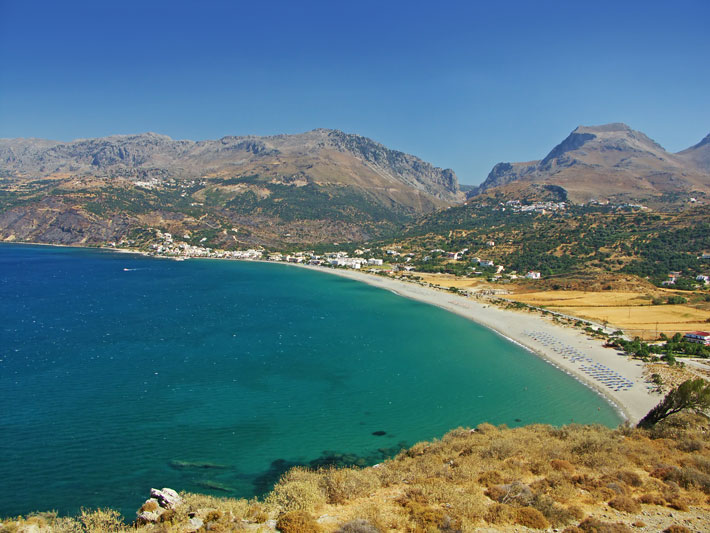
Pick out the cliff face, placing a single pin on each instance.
(311, 187)
(611, 161)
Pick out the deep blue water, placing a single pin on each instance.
(116, 367)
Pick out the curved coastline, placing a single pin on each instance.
(631, 404)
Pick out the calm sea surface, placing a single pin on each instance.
(119, 373)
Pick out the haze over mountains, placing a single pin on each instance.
(608, 162)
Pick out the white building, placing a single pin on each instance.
(532, 275)
(700, 337)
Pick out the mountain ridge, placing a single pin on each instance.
(234, 191)
(609, 161)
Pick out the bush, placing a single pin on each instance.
(630, 478)
(499, 513)
(625, 504)
(652, 499)
(343, 484)
(298, 490)
(531, 517)
(359, 525)
(592, 525)
(677, 529)
(101, 521)
(561, 465)
(297, 522)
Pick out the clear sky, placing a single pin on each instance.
(461, 84)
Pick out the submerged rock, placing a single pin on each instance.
(188, 465)
(214, 485)
(379, 433)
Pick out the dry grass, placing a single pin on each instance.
(629, 311)
(535, 477)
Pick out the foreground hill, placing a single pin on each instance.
(609, 162)
(311, 187)
(582, 478)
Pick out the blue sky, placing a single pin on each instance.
(461, 84)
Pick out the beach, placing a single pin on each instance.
(617, 377)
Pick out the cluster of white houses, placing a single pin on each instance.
(169, 247)
(538, 207)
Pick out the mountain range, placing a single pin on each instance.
(321, 186)
(311, 187)
(609, 162)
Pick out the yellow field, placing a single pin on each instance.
(449, 280)
(629, 311)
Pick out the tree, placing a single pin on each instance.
(692, 395)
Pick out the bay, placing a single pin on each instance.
(119, 373)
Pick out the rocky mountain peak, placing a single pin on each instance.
(610, 160)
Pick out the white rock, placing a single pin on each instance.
(167, 498)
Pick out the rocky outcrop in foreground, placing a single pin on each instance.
(571, 479)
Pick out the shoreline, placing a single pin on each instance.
(517, 326)
(529, 331)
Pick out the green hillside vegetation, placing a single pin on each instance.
(580, 239)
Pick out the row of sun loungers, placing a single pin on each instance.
(597, 371)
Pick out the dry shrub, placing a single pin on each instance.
(297, 490)
(232, 507)
(343, 484)
(496, 493)
(619, 488)
(499, 513)
(468, 506)
(501, 448)
(516, 494)
(491, 477)
(424, 515)
(639, 524)
(150, 506)
(572, 529)
(690, 445)
(652, 499)
(101, 521)
(701, 463)
(593, 525)
(486, 428)
(358, 525)
(170, 516)
(678, 503)
(417, 450)
(597, 448)
(553, 512)
(625, 504)
(256, 512)
(531, 517)
(561, 465)
(382, 517)
(629, 477)
(686, 477)
(677, 529)
(297, 522)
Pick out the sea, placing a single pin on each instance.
(120, 372)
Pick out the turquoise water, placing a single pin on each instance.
(116, 370)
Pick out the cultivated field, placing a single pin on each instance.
(630, 311)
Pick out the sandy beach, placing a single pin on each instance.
(569, 349)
